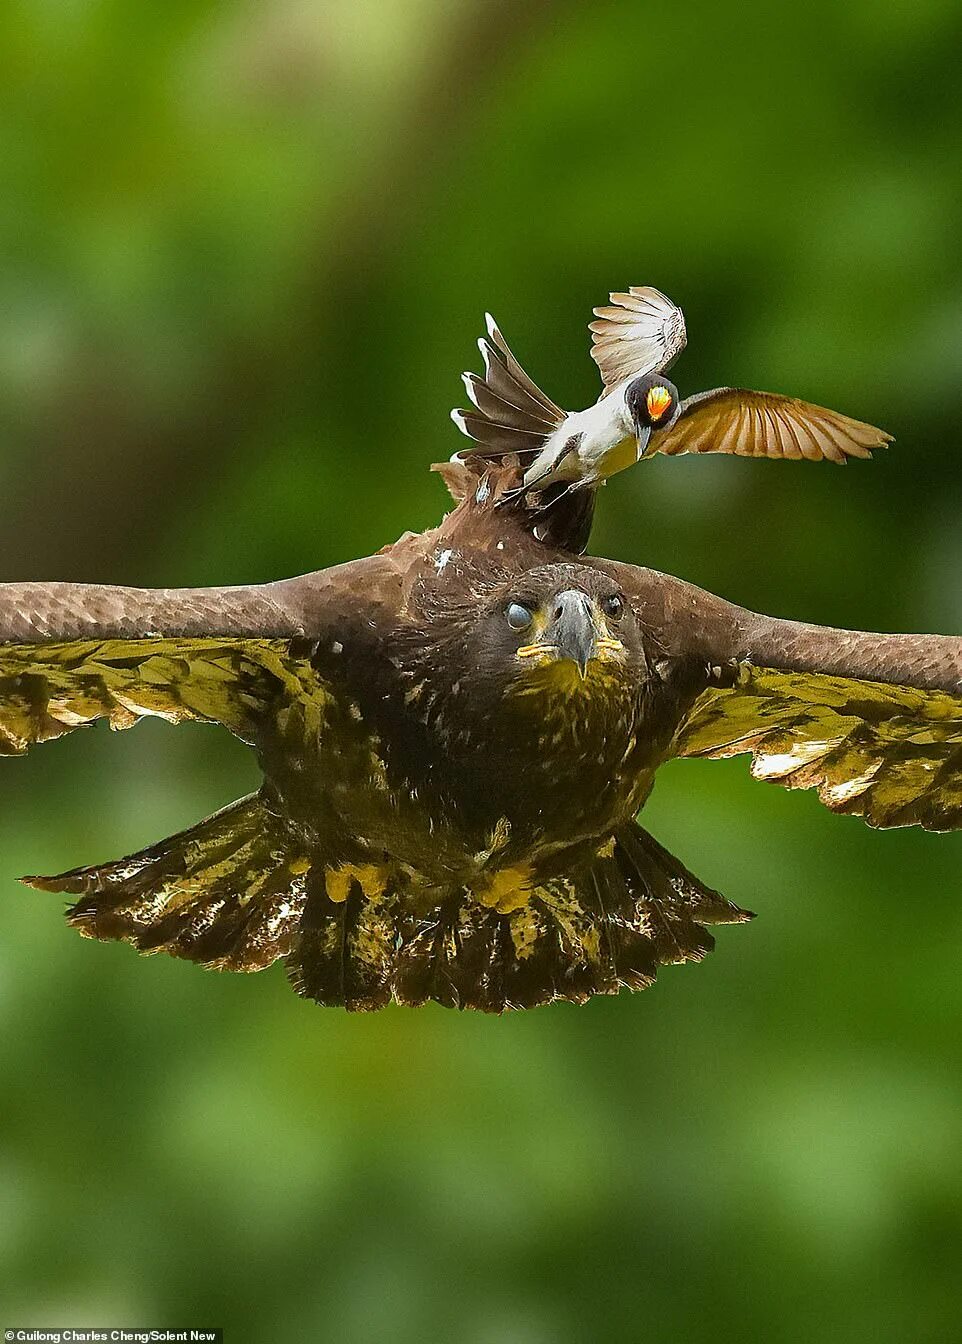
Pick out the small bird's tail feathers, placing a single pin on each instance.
(510, 415)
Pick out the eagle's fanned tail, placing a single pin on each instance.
(233, 893)
(608, 925)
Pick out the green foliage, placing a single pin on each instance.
(246, 254)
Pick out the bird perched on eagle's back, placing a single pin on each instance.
(455, 737)
(636, 339)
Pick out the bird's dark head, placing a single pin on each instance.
(559, 628)
(518, 675)
(652, 403)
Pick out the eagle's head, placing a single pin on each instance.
(512, 681)
(496, 654)
(562, 628)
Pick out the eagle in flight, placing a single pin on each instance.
(456, 736)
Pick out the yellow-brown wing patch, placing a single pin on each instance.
(222, 893)
(47, 690)
(766, 424)
(892, 754)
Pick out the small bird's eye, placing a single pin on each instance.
(614, 606)
(517, 616)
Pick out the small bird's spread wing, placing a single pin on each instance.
(765, 424)
(873, 722)
(640, 332)
(511, 414)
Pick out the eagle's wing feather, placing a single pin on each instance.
(229, 891)
(74, 653)
(872, 721)
(891, 754)
(638, 332)
(766, 424)
(48, 690)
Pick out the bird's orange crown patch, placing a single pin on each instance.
(657, 401)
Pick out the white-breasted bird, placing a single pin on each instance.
(635, 339)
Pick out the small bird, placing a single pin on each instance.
(635, 340)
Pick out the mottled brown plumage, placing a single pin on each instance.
(456, 735)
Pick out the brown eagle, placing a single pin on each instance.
(456, 735)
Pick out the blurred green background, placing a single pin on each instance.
(246, 249)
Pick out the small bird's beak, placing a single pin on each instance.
(642, 434)
(572, 628)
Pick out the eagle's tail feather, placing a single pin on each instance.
(609, 924)
(233, 892)
(227, 892)
(510, 414)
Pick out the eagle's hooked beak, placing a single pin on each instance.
(572, 629)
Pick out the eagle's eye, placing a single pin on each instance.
(517, 616)
(613, 606)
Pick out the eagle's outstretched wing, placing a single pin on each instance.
(766, 424)
(872, 721)
(74, 653)
(229, 891)
(638, 332)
